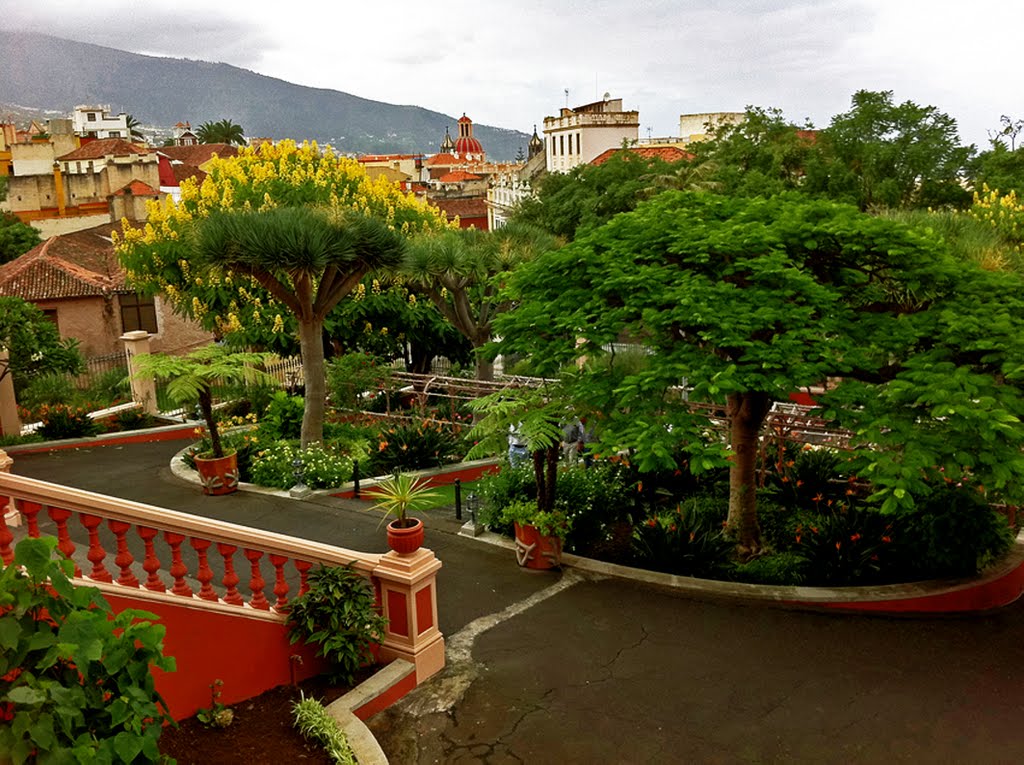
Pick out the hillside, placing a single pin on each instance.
(49, 73)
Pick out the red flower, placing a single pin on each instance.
(854, 537)
(651, 522)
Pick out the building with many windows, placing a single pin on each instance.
(579, 134)
(98, 122)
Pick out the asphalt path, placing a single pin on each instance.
(565, 668)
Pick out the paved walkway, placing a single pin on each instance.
(562, 668)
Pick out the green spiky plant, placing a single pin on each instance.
(398, 494)
(193, 377)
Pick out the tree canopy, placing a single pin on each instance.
(232, 255)
(884, 154)
(33, 343)
(16, 238)
(749, 300)
(462, 271)
(222, 131)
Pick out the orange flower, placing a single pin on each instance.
(383, 446)
(854, 537)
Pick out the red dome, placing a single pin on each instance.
(468, 145)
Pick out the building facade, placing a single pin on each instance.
(579, 134)
(98, 122)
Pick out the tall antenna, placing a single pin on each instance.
(566, 98)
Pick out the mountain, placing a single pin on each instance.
(50, 73)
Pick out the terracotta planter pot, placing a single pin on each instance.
(219, 475)
(536, 551)
(408, 539)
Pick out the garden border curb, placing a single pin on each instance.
(373, 695)
(173, 432)
(998, 586)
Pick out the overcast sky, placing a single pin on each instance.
(509, 63)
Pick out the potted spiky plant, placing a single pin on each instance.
(192, 379)
(396, 496)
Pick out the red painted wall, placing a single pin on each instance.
(250, 655)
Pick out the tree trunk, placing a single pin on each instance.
(484, 369)
(311, 347)
(747, 412)
(206, 407)
(545, 476)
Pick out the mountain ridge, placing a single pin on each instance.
(59, 74)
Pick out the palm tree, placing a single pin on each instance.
(224, 131)
(687, 175)
(133, 129)
(462, 270)
(308, 259)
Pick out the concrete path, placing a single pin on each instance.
(564, 668)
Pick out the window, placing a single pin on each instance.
(91, 116)
(561, 145)
(579, 144)
(138, 312)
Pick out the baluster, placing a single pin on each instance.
(96, 552)
(6, 537)
(256, 582)
(178, 569)
(230, 580)
(204, 573)
(151, 563)
(303, 567)
(123, 559)
(64, 543)
(280, 585)
(31, 512)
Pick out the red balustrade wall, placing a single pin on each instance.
(250, 655)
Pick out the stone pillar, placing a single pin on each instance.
(10, 423)
(408, 596)
(7, 509)
(143, 390)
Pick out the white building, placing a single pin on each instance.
(578, 135)
(697, 127)
(97, 122)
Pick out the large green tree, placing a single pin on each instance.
(16, 238)
(222, 131)
(462, 271)
(33, 344)
(762, 154)
(749, 300)
(589, 195)
(308, 260)
(262, 261)
(998, 168)
(881, 154)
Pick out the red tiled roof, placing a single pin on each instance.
(80, 264)
(458, 176)
(102, 147)
(138, 189)
(181, 172)
(444, 158)
(386, 157)
(463, 208)
(199, 153)
(666, 153)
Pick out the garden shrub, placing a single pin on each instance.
(134, 419)
(75, 680)
(599, 502)
(63, 421)
(47, 389)
(498, 490)
(338, 614)
(688, 541)
(806, 477)
(351, 376)
(412, 445)
(954, 533)
(108, 388)
(321, 468)
(778, 568)
(282, 418)
(846, 545)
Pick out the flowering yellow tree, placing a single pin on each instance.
(234, 250)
